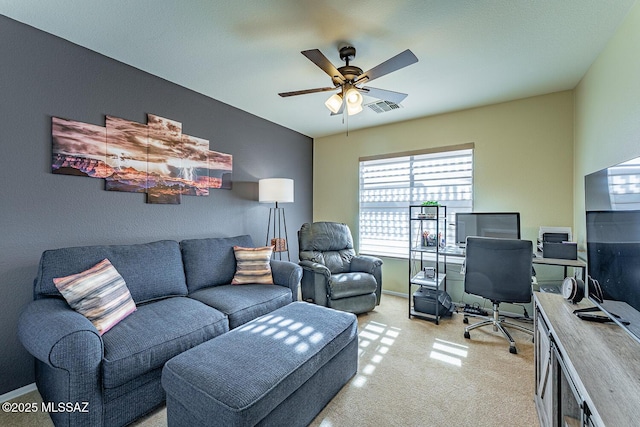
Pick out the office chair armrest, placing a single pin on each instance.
(365, 263)
(315, 268)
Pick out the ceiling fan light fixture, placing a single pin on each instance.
(346, 78)
(354, 109)
(354, 101)
(334, 103)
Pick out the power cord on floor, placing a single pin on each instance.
(475, 309)
(525, 315)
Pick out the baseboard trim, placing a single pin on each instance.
(18, 392)
(398, 294)
(460, 305)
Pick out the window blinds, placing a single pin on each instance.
(389, 185)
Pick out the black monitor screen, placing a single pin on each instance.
(504, 225)
(612, 201)
(613, 254)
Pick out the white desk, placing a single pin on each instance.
(458, 252)
(575, 263)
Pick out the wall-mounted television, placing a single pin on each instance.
(612, 202)
(504, 225)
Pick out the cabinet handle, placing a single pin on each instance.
(543, 383)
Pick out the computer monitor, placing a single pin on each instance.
(612, 205)
(504, 225)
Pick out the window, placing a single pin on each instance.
(389, 185)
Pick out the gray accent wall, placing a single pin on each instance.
(43, 76)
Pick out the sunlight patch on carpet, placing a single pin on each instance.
(449, 352)
(377, 338)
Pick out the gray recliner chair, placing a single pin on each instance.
(332, 274)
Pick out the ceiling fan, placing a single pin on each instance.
(349, 79)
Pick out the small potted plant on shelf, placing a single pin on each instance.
(431, 210)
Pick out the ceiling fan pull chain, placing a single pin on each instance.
(344, 114)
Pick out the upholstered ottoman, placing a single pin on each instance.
(279, 369)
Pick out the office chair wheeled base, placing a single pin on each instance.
(498, 323)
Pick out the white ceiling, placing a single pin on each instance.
(243, 52)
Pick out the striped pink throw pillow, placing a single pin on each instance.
(100, 294)
(253, 266)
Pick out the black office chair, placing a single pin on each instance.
(500, 271)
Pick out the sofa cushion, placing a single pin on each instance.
(99, 294)
(151, 270)
(253, 266)
(155, 333)
(211, 262)
(244, 303)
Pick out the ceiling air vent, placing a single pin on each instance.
(383, 106)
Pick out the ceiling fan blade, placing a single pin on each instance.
(386, 95)
(306, 91)
(399, 61)
(315, 56)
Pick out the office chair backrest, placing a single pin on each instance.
(327, 243)
(499, 269)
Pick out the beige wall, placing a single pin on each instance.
(531, 155)
(523, 161)
(607, 110)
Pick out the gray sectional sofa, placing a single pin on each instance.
(183, 296)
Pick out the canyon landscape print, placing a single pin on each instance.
(155, 158)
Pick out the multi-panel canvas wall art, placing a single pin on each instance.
(154, 158)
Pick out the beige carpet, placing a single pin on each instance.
(414, 373)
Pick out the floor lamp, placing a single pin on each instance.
(278, 190)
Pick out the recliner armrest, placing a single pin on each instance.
(365, 263)
(315, 268)
(287, 274)
(59, 336)
(315, 282)
(371, 265)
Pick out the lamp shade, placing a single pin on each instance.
(334, 103)
(279, 190)
(354, 101)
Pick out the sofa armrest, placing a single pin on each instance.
(287, 274)
(69, 352)
(59, 336)
(315, 282)
(371, 265)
